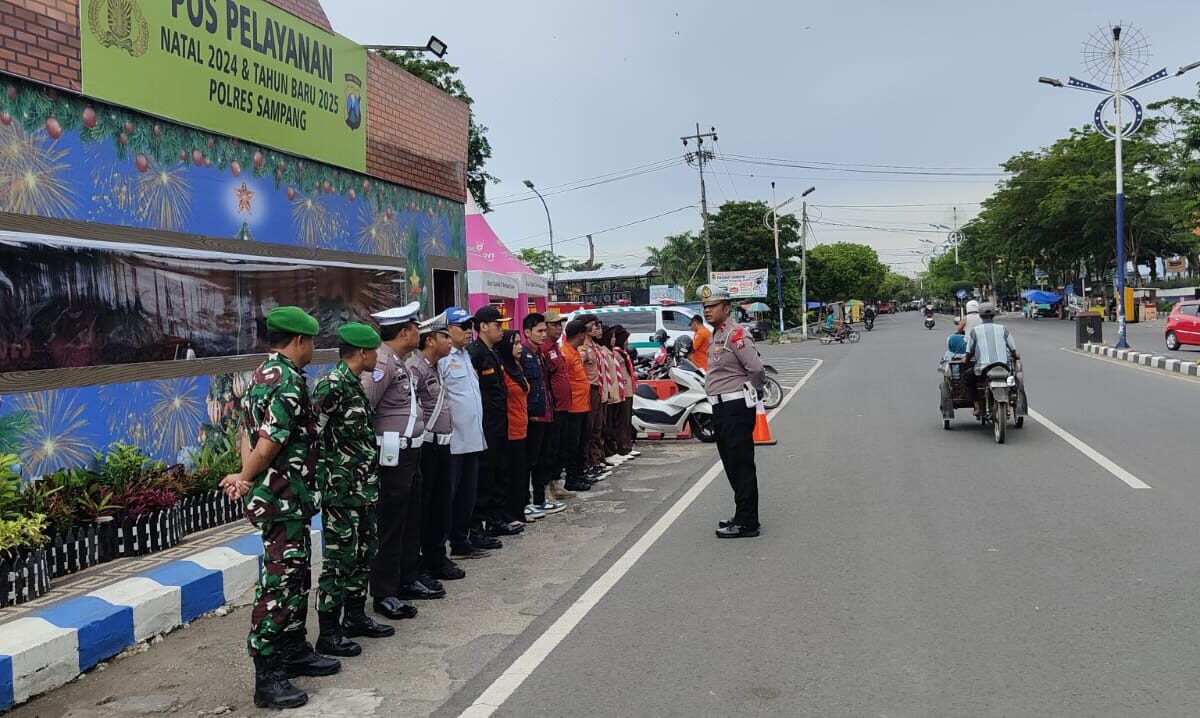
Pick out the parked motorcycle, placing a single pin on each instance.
(772, 394)
(689, 407)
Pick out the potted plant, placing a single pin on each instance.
(24, 570)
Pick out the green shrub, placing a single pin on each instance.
(11, 502)
(123, 467)
(220, 455)
(24, 532)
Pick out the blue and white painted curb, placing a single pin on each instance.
(52, 646)
(1154, 361)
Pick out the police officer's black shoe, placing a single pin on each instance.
(299, 659)
(358, 623)
(578, 486)
(331, 641)
(431, 582)
(468, 551)
(395, 609)
(449, 571)
(272, 689)
(725, 524)
(737, 531)
(480, 539)
(417, 591)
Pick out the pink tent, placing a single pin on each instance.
(495, 275)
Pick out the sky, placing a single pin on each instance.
(600, 94)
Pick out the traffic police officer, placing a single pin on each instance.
(433, 564)
(399, 430)
(349, 492)
(734, 381)
(278, 485)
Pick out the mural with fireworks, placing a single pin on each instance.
(65, 156)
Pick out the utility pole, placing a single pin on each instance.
(804, 268)
(699, 157)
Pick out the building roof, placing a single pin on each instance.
(603, 274)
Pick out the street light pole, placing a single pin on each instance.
(778, 265)
(553, 256)
(1110, 52)
(804, 266)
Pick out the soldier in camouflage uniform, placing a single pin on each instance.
(278, 486)
(349, 481)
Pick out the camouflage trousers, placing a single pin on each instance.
(351, 541)
(281, 597)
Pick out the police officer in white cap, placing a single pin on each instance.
(400, 430)
(733, 383)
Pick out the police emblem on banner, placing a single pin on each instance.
(353, 101)
(120, 24)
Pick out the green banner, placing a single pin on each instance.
(242, 68)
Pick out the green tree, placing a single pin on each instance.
(539, 260)
(444, 76)
(837, 272)
(741, 241)
(679, 261)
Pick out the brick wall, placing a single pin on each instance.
(416, 134)
(39, 40)
(416, 130)
(309, 10)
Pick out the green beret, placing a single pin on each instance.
(359, 335)
(292, 320)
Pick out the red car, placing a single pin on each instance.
(1183, 325)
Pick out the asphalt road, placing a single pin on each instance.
(905, 570)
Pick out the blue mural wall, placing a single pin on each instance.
(64, 156)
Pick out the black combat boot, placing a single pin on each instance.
(332, 642)
(358, 623)
(299, 658)
(272, 689)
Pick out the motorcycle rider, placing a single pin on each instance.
(971, 319)
(869, 315)
(987, 344)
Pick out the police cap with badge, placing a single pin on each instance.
(710, 294)
(436, 325)
(408, 314)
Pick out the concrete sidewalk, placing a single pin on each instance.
(71, 631)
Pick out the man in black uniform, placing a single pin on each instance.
(490, 493)
(734, 381)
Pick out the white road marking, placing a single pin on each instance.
(511, 679)
(1104, 462)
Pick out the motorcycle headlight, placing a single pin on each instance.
(1011, 381)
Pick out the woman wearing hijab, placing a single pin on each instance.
(628, 376)
(515, 472)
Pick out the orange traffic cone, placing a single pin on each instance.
(762, 430)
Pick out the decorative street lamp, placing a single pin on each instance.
(1113, 54)
(774, 227)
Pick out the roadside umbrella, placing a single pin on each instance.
(757, 308)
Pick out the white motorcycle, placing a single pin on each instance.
(690, 407)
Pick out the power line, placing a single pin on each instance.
(862, 164)
(613, 229)
(721, 154)
(863, 170)
(597, 183)
(530, 195)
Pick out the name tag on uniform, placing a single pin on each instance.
(487, 372)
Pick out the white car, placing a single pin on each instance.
(642, 322)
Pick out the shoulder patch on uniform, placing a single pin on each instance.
(740, 344)
(737, 334)
(377, 375)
